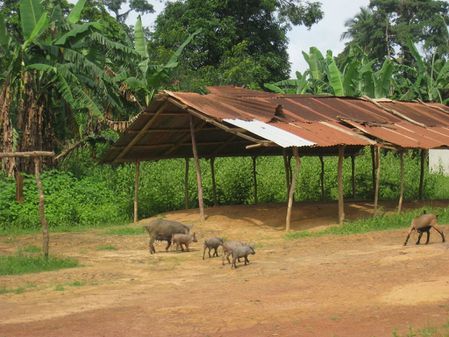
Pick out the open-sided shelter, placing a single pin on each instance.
(231, 121)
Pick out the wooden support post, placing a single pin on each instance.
(214, 185)
(199, 180)
(19, 186)
(421, 174)
(255, 179)
(322, 177)
(287, 171)
(353, 175)
(401, 173)
(377, 185)
(292, 188)
(373, 166)
(186, 185)
(136, 192)
(341, 210)
(43, 220)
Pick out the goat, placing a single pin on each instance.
(183, 239)
(422, 224)
(212, 243)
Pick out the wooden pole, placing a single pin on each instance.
(214, 185)
(377, 185)
(401, 189)
(322, 177)
(353, 175)
(43, 220)
(186, 185)
(341, 210)
(287, 172)
(199, 180)
(292, 188)
(136, 192)
(373, 166)
(421, 175)
(19, 187)
(255, 180)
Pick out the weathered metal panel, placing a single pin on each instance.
(271, 132)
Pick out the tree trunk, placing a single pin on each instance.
(6, 142)
(43, 220)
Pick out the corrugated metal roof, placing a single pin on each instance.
(271, 133)
(228, 120)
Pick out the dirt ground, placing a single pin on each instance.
(359, 285)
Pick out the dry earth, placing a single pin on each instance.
(359, 285)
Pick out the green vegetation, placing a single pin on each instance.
(442, 331)
(95, 195)
(376, 223)
(23, 264)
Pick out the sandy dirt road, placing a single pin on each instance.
(359, 285)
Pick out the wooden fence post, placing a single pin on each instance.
(43, 220)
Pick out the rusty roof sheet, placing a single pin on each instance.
(312, 122)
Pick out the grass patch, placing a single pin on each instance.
(442, 331)
(106, 247)
(380, 222)
(23, 264)
(126, 231)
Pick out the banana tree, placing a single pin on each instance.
(150, 77)
(431, 77)
(57, 74)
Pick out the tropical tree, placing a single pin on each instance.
(356, 77)
(253, 31)
(56, 72)
(385, 27)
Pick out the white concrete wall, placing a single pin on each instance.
(439, 160)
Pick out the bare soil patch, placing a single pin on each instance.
(358, 285)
